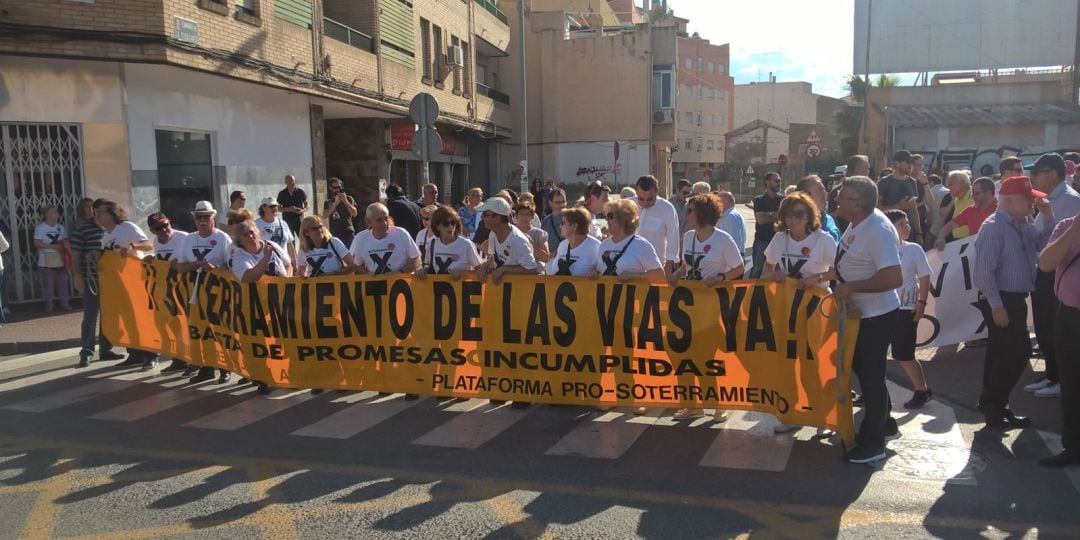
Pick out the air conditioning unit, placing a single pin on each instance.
(663, 116)
(455, 56)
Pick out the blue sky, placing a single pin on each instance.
(797, 40)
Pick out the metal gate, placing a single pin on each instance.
(40, 165)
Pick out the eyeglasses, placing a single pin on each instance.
(797, 214)
(202, 218)
(610, 216)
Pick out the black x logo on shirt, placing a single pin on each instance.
(442, 264)
(200, 254)
(315, 264)
(693, 263)
(382, 262)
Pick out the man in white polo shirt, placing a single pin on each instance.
(868, 269)
(659, 222)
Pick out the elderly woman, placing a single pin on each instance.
(801, 249)
(448, 253)
(320, 253)
(959, 196)
(273, 228)
(49, 238)
(383, 248)
(128, 240)
(426, 234)
(623, 253)
(710, 255)
(525, 218)
(467, 212)
(578, 253)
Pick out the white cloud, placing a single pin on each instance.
(797, 40)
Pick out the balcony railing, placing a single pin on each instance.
(490, 6)
(345, 34)
(495, 95)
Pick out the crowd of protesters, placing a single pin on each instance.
(864, 242)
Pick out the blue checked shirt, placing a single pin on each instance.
(1006, 255)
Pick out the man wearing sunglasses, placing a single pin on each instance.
(205, 249)
(659, 221)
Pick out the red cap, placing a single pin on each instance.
(1019, 185)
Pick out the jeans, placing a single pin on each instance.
(758, 258)
(56, 282)
(871, 348)
(1069, 371)
(3, 318)
(1007, 353)
(90, 327)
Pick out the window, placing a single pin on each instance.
(699, 119)
(710, 67)
(699, 65)
(699, 144)
(708, 119)
(719, 68)
(457, 72)
(699, 92)
(425, 50)
(663, 88)
(689, 117)
(689, 143)
(689, 63)
(709, 144)
(438, 54)
(466, 72)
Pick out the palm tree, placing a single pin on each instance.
(848, 120)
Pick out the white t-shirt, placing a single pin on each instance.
(598, 227)
(815, 254)
(213, 249)
(49, 234)
(242, 261)
(123, 234)
(582, 258)
(866, 248)
(323, 260)
(516, 250)
(169, 251)
(659, 224)
(639, 256)
(913, 265)
(386, 255)
(276, 231)
(460, 255)
(423, 240)
(706, 259)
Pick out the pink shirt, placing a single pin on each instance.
(1067, 276)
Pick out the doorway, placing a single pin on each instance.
(185, 174)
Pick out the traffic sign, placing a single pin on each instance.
(813, 137)
(750, 170)
(424, 109)
(782, 160)
(813, 150)
(433, 147)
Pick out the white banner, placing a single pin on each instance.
(951, 315)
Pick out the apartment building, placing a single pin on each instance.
(159, 103)
(705, 107)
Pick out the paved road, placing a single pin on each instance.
(104, 452)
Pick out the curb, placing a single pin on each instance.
(34, 347)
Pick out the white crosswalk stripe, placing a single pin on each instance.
(39, 359)
(745, 441)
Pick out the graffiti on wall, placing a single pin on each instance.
(981, 162)
(599, 172)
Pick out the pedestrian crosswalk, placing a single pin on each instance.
(103, 393)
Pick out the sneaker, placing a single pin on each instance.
(865, 454)
(919, 399)
(202, 376)
(689, 414)
(110, 355)
(176, 365)
(824, 433)
(243, 381)
(639, 411)
(263, 388)
(190, 371)
(1051, 390)
(892, 431)
(150, 363)
(132, 360)
(720, 416)
(1038, 385)
(224, 378)
(782, 428)
(84, 361)
(857, 398)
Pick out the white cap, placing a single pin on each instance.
(204, 207)
(496, 205)
(268, 201)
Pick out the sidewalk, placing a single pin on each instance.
(30, 330)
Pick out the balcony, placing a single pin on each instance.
(490, 7)
(347, 35)
(493, 94)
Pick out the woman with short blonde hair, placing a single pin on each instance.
(321, 253)
(623, 253)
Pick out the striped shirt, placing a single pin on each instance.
(1006, 254)
(1065, 202)
(86, 241)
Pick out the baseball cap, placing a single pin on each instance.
(1051, 161)
(157, 220)
(1019, 185)
(268, 201)
(495, 205)
(902, 156)
(204, 207)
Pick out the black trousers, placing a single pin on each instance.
(1069, 375)
(1007, 353)
(871, 348)
(1043, 310)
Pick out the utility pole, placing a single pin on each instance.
(866, 76)
(524, 104)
